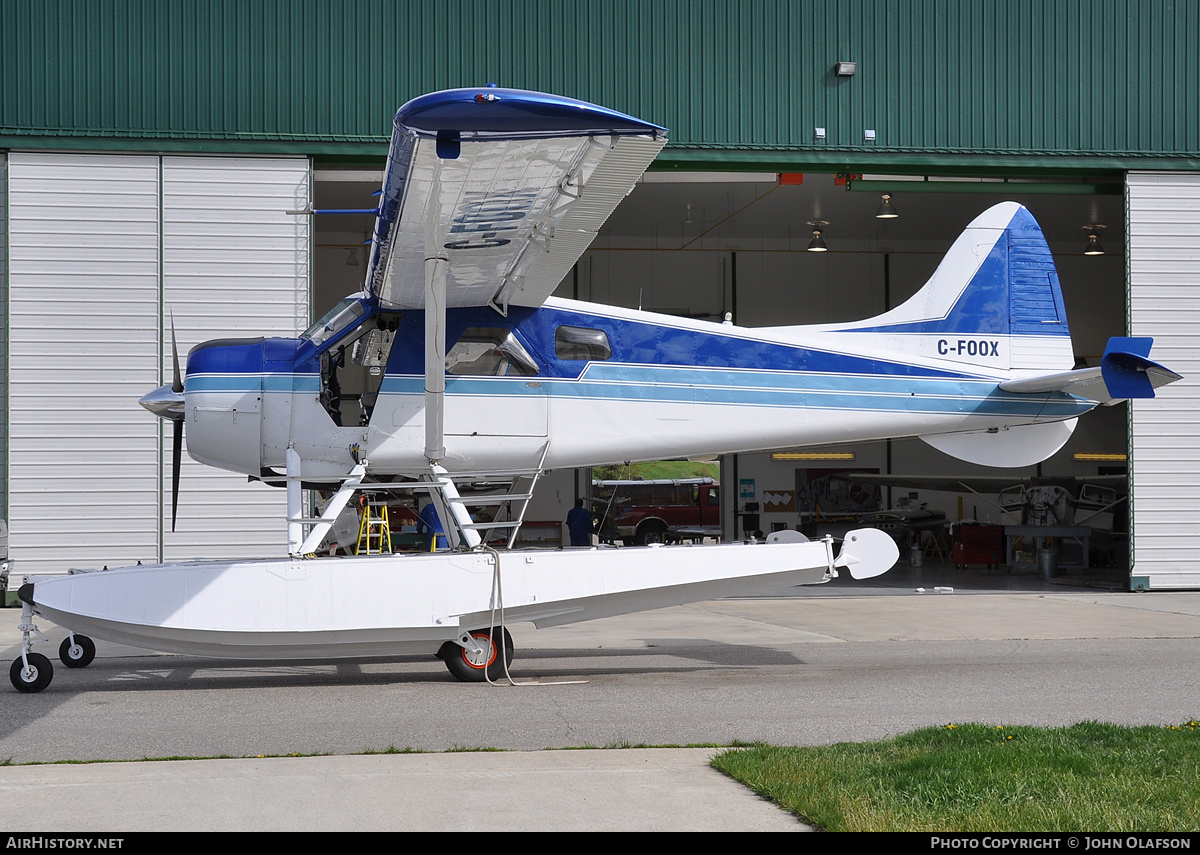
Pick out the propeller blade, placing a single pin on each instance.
(177, 382)
(176, 450)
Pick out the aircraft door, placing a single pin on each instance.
(352, 372)
(493, 388)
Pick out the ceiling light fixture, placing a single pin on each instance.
(1093, 245)
(887, 211)
(817, 244)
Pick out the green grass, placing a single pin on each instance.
(974, 777)
(658, 470)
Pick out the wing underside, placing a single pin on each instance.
(510, 205)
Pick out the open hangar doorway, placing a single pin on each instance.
(705, 245)
(708, 245)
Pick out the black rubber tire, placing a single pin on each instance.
(37, 678)
(458, 664)
(651, 532)
(85, 650)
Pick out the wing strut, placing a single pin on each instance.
(436, 268)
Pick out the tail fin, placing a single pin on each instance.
(994, 303)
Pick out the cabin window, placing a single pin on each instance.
(489, 352)
(336, 319)
(581, 343)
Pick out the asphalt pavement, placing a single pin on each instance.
(130, 705)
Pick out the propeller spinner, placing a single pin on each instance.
(167, 402)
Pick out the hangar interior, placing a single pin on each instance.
(704, 244)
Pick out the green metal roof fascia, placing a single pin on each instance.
(921, 163)
(674, 158)
(1043, 187)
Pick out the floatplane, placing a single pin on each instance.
(472, 371)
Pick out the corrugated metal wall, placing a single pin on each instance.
(83, 339)
(102, 247)
(1164, 302)
(3, 337)
(235, 263)
(1115, 77)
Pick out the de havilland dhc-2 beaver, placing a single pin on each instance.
(474, 372)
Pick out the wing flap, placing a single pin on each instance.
(511, 205)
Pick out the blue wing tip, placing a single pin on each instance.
(497, 112)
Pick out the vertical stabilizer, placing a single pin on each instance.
(993, 304)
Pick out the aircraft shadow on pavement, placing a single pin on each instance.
(173, 673)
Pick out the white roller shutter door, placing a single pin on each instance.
(235, 264)
(102, 248)
(1164, 433)
(83, 346)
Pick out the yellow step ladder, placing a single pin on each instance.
(374, 530)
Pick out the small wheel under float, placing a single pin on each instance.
(476, 667)
(77, 651)
(31, 677)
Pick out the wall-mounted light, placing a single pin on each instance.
(845, 69)
(817, 244)
(887, 211)
(869, 135)
(819, 133)
(1100, 457)
(1093, 245)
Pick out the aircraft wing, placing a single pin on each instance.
(509, 186)
(1124, 372)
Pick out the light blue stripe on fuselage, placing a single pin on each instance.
(608, 382)
(766, 389)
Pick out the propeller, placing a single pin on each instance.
(177, 428)
(167, 402)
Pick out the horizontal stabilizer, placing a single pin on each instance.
(1124, 372)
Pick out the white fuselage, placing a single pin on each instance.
(743, 390)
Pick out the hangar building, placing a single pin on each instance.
(156, 160)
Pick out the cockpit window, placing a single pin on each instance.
(489, 352)
(581, 343)
(336, 319)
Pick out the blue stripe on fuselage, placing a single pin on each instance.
(658, 361)
(647, 343)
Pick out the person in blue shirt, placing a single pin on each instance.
(431, 524)
(579, 523)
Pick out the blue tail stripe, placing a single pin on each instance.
(1015, 291)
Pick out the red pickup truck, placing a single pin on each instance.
(644, 512)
